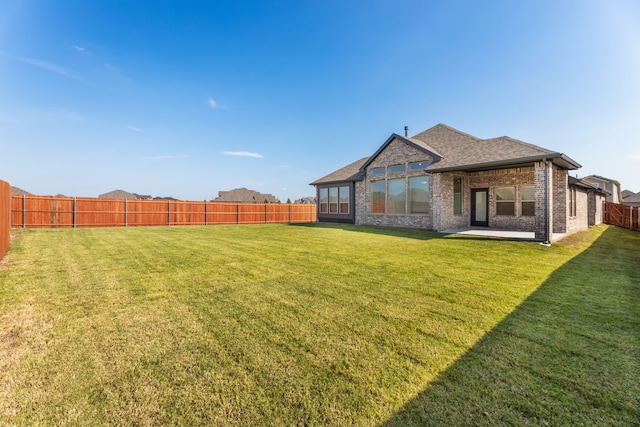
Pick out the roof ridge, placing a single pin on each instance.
(519, 141)
(452, 129)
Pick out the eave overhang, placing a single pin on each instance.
(560, 160)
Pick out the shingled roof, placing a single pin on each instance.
(461, 151)
(351, 172)
(453, 150)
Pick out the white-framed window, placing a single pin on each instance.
(335, 200)
(527, 200)
(505, 200)
(324, 200)
(344, 200)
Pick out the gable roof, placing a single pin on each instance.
(627, 193)
(351, 172)
(413, 142)
(461, 151)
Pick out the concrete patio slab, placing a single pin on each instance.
(492, 233)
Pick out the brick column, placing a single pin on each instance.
(544, 200)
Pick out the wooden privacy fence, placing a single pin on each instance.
(52, 211)
(5, 217)
(622, 215)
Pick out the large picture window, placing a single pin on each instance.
(505, 200)
(527, 196)
(344, 200)
(397, 196)
(419, 194)
(378, 196)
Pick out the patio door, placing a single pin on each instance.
(480, 207)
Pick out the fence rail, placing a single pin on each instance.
(622, 215)
(29, 211)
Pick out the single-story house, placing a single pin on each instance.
(443, 179)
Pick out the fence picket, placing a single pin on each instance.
(622, 215)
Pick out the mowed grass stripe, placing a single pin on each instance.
(256, 325)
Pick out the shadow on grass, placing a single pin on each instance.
(568, 355)
(409, 233)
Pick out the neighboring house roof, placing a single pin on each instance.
(351, 172)
(585, 184)
(16, 190)
(634, 198)
(615, 185)
(461, 151)
(307, 200)
(627, 193)
(118, 194)
(602, 178)
(244, 195)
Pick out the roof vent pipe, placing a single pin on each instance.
(406, 131)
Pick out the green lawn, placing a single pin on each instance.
(317, 325)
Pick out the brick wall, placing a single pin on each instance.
(559, 190)
(514, 177)
(596, 211)
(579, 221)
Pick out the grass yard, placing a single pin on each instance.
(317, 325)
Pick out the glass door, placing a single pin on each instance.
(480, 207)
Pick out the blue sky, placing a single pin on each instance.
(185, 99)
